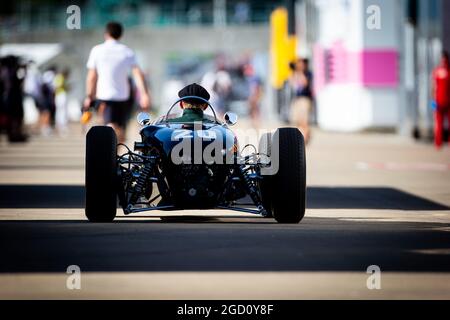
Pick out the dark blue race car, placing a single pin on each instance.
(195, 165)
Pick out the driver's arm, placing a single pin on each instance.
(144, 95)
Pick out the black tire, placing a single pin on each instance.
(265, 185)
(289, 182)
(101, 174)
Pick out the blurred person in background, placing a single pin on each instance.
(107, 81)
(61, 91)
(47, 109)
(441, 98)
(219, 84)
(33, 86)
(301, 85)
(222, 88)
(12, 75)
(255, 94)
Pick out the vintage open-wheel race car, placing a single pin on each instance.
(183, 165)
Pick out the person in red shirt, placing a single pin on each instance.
(441, 96)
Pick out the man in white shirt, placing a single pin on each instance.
(107, 81)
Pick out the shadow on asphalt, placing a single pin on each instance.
(379, 198)
(316, 244)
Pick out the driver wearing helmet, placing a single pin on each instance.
(192, 108)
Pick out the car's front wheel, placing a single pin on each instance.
(289, 182)
(101, 174)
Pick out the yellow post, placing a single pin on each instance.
(282, 47)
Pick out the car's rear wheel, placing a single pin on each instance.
(289, 182)
(101, 174)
